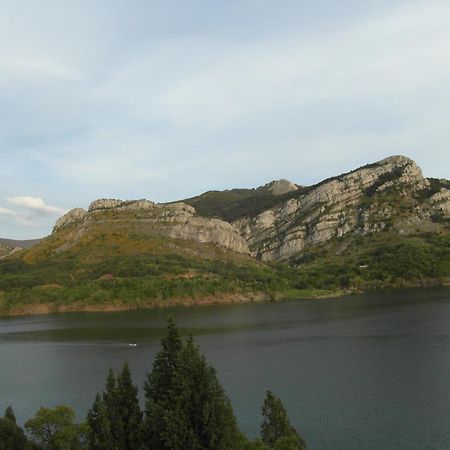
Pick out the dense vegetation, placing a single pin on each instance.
(77, 281)
(233, 204)
(185, 408)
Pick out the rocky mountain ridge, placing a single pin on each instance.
(176, 220)
(389, 195)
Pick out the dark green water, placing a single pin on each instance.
(365, 372)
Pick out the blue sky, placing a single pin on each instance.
(166, 100)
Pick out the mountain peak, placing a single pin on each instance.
(279, 187)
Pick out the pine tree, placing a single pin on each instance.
(159, 391)
(116, 418)
(207, 412)
(130, 411)
(12, 436)
(276, 424)
(186, 407)
(112, 405)
(99, 437)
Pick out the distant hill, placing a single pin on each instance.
(14, 243)
(233, 204)
(383, 224)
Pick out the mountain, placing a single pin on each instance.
(233, 204)
(14, 243)
(390, 195)
(9, 246)
(383, 224)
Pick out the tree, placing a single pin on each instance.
(112, 406)
(54, 429)
(99, 434)
(130, 411)
(115, 419)
(159, 389)
(186, 407)
(12, 436)
(208, 415)
(276, 431)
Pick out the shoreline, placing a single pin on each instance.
(42, 309)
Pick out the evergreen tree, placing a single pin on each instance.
(130, 411)
(186, 407)
(276, 425)
(112, 405)
(99, 436)
(206, 408)
(12, 436)
(116, 417)
(159, 391)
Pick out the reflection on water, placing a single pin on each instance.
(364, 372)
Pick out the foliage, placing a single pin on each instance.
(54, 429)
(99, 427)
(276, 431)
(186, 407)
(12, 436)
(233, 204)
(115, 419)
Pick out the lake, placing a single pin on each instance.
(359, 372)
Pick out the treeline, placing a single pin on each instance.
(377, 261)
(185, 408)
(137, 280)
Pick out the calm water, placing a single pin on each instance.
(366, 372)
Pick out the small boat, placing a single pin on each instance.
(132, 345)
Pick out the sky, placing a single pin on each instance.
(168, 99)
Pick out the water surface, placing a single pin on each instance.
(364, 372)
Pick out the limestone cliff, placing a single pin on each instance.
(281, 220)
(388, 194)
(176, 220)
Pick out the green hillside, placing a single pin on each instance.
(233, 204)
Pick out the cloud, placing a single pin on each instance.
(133, 100)
(36, 205)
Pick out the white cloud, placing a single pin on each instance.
(35, 204)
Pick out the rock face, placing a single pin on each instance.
(441, 201)
(391, 194)
(336, 207)
(280, 187)
(76, 215)
(176, 220)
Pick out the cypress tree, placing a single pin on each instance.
(130, 411)
(99, 435)
(116, 418)
(206, 410)
(12, 436)
(159, 391)
(276, 424)
(186, 407)
(112, 405)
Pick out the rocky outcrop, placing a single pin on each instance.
(104, 203)
(279, 187)
(210, 231)
(176, 220)
(441, 201)
(334, 208)
(391, 194)
(76, 215)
